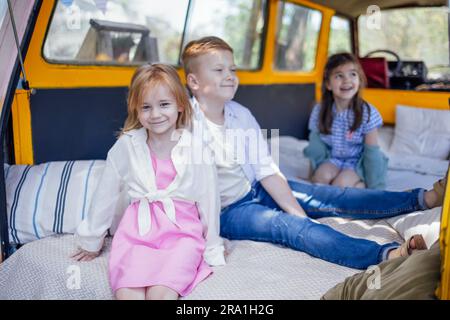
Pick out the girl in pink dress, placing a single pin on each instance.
(169, 233)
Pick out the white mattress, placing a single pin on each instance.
(42, 269)
(254, 270)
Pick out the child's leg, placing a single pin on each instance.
(325, 173)
(254, 221)
(160, 293)
(321, 201)
(130, 294)
(346, 178)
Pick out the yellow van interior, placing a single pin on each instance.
(79, 59)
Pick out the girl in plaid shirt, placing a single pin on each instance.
(345, 125)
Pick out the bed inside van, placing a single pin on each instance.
(62, 107)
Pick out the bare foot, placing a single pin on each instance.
(431, 199)
(395, 253)
(435, 197)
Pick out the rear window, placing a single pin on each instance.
(117, 32)
(412, 33)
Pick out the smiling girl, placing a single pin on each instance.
(169, 233)
(343, 140)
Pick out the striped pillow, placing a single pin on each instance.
(49, 198)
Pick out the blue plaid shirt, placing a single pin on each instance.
(346, 145)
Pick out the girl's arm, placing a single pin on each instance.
(105, 202)
(278, 188)
(371, 138)
(209, 209)
(370, 128)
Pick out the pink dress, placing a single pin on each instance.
(167, 255)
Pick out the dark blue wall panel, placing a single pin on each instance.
(81, 124)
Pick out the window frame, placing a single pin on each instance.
(188, 17)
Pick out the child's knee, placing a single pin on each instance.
(130, 294)
(347, 179)
(157, 293)
(341, 182)
(322, 176)
(165, 295)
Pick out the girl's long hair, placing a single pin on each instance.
(357, 103)
(148, 77)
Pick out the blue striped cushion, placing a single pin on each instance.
(49, 198)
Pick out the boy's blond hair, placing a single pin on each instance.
(199, 47)
(147, 77)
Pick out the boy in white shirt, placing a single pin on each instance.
(257, 201)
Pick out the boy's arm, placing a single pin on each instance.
(278, 188)
(270, 176)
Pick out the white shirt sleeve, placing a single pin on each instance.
(92, 230)
(209, 209)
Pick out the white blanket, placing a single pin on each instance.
(254, 270)
(42, 269)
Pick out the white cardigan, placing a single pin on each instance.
(128, 177)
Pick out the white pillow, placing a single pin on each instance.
(293, 164)
(427, 223)
(49, 198)
(385, 137)
(419, 164)
(422, 132)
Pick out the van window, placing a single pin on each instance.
(3, 7)
(297, 37)
(340, 36)
(133, 32)
(412, 33)
(115, 31)
(240, 23)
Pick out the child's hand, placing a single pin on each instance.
(83, 255)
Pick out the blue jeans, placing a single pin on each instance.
(257, 217)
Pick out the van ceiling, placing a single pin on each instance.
(354, 8)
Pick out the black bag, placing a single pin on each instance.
(410, 75)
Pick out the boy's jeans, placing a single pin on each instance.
(257, 217)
